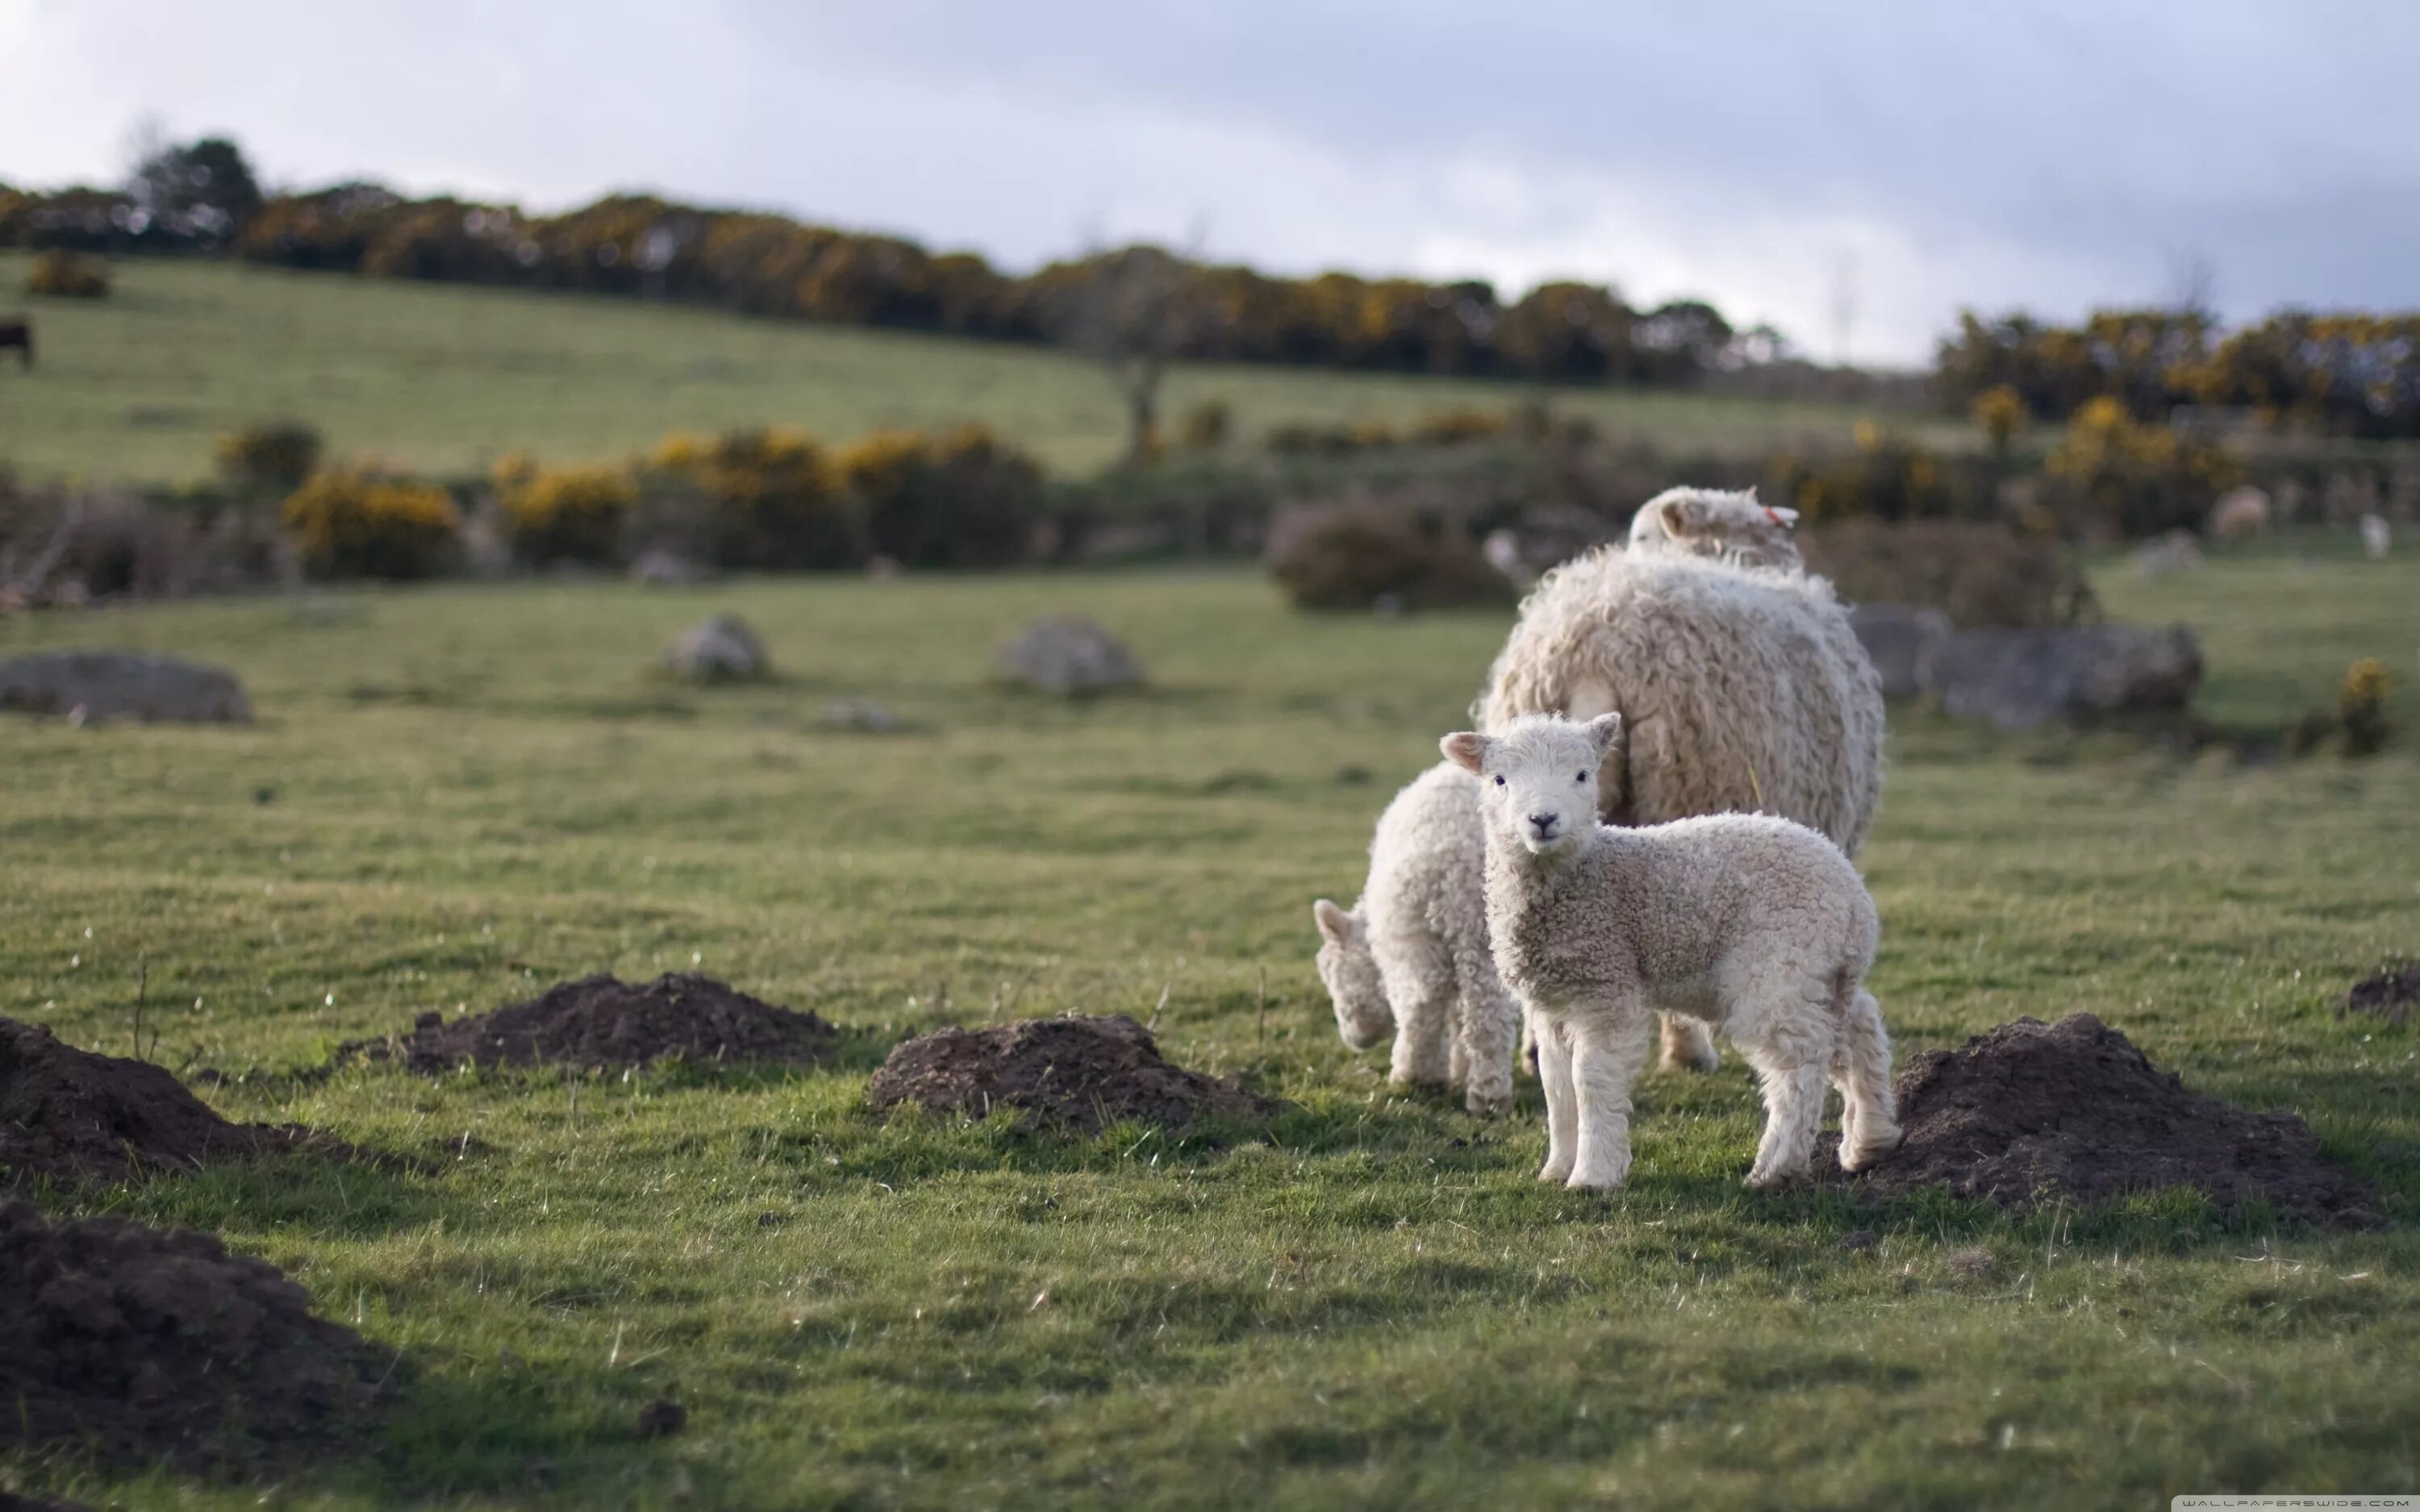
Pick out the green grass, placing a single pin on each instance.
(457, 795)
(446, 379)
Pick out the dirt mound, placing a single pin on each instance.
(2034, 1113)
(1073, 1071)
(151, 1342)
(2391, 995)
(70, 1114)
(600, 1022)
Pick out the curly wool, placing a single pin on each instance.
(1741, 688)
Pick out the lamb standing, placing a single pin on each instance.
(1412, 956)
(1750, 921)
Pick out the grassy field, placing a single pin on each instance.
(446, 379)
(455, 796)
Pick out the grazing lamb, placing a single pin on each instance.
(1412, 956)
(1753, 922)
(1709, 522)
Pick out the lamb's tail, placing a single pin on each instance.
(1861, 1060)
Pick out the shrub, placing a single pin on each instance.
(1205, 426)
(2111, 475)
(1975, 572)
(271, 458)
(353, 523)
(771, 500)
(1452, 428)
(1999, 412)
(961, 499)
(564, 514)
(1361, 554)
(2361, 707)
(1884, 477)
(64, 275)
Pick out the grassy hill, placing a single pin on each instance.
(444, 378)
(456, 796)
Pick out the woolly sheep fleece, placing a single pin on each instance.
(1742, 689)
(1745, 921)
(1412, 956)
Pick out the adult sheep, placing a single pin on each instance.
(1740, 682)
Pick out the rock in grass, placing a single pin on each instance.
(89, 686)
(1069, 656)
(720, 650)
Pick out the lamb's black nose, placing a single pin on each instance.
(1544, 824)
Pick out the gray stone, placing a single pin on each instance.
(2172, 553)
(1903, 641)
(720, 650)
(660, 568)
(2020, 679)
(1069, 656)
(87, 685)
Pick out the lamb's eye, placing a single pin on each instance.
(1582, 777)
(1499, 781)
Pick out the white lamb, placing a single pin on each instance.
(1752, 922)
(1412, 956)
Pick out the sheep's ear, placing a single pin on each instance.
(1334, 922)
(1604, 732)
(1467, 750)
(1684, 518)
(1782, 515)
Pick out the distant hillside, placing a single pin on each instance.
(444, 378)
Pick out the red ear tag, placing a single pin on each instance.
(1771, 515)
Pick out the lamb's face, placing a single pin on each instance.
(1537, 780)
(1351, 975)
(1709, 522)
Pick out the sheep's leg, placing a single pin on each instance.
(1791, 1056)
(1607, 1052)
(1861, 1065)
(1420, 982)
(1689, 1044)
(1563, 1101)
(1457, 1072)
(1489, 1019)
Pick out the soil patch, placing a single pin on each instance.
(600, 1021)
(70, 1114)
(2032, 1113)
(1074, 1071)
(2391, 995)
(150, 1343)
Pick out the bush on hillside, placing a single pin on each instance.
(63, 275)
(1361, 554)
(564, 514)
(273, 457)
(1452, 428)
(959, 498)
(354, 523)
(1205, 426)
(2113, 476)
(1883, 476)
(766, 500)
(1977, 573)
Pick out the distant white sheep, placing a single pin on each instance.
(1752, 922)
(1710, 523)
(1412, 958)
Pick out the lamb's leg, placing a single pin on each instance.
(1563, 1101)
(1790, 1059)
(1420, 984)
(1606, 1054)
(1689, 1044)
(1457, 1072)
(1488, 1021)
(1861, 1064)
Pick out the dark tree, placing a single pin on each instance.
(203, 190)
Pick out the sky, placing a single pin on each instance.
(1853, 172)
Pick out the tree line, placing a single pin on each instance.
(202, 197)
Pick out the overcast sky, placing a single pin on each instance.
(1887, 161)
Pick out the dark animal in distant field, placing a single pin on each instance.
(19, 334)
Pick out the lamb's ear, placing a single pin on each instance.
(1467, 750)
(1685, 518)
(1334, 922)
(1604, 732)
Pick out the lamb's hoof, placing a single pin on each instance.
(1597, 1181)
(1767, 1180)
(1869, 1151)
(1489, 1108)
(1554, 1174)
